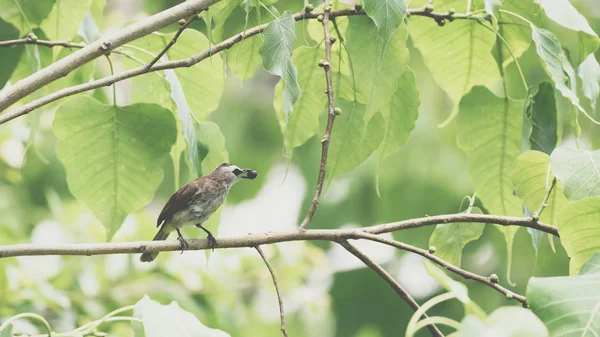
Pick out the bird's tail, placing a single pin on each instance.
(161, 235)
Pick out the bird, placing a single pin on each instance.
(195, 202)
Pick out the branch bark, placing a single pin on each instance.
(188, 62)
(253, 240)
(102, 46)
(390, 280)
(276, 284)
(326, 64)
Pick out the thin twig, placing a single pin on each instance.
(545, 201)
(390, 280)
(281, 311)
(173, 40)
(465, 274)
(326, 64)
(253, 240)
(190, 61)
(45, 43)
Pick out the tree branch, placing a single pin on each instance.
(173, 40)
(280, 300)
(104, 45)
(253, 240)
(465, 274)
(326, 64)
(390, 280)
(45, 43)
(65, 67)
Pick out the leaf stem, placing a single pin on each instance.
(114, 85)
(28, 315)
(544, 203)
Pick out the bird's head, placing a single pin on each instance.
(232, 173)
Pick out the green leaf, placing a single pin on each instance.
(557, 65)
(10, 56)
(489, 132)
(579, 231)
(592, 265)
(353, 140)
(513, 30)
(170, 320)
(531, 178)
(564, 14)
(542, 112)
(25, 14)
(387, 15)
(298, 127)
(376, 81)
(568, 306)
(589, 73)
(400, 115)
(579, 172)
(450, 239)
(219, 13)
(113, 155)
(458, 55)
(64, 19)
(523, 323)
(244, 59)
(276, 55)
(7, 332)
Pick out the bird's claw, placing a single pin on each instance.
(212, 242)
(184, 245)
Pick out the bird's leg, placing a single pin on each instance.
(182, 241)
(212, 242)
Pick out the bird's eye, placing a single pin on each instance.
(237, 172)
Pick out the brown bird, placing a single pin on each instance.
(195, 202)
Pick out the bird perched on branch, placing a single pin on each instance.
(195, 202)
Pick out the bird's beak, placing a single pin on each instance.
(248, 174)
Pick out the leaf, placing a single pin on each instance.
(219, 13)
(300, 126)
(376, 81)
(25, 14)
(564, 14)
(458, 55)
(388, 15)
(557, 65)
(492, 7)
(276, 55)
(7, 332)
(10, 56)
(531, 178)
(170, 320)
(400, 115)
(64, 19)
(353, 140)
(589, 73)
(579, 172)
(113, 155)
(543, 115)
(523, 323)
(489, 132)
(592, 265)
(244, 59)
(579, 231)
(450, 239)
(515, 33)
(568, 305)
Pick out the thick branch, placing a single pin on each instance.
(326, 64)
(188, 62)
(390, 280)
(465, 274)
(279, 299)
(253, 240)
(104, 45)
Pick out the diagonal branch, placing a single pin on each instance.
(74, 62)
(182, 27)
(465, 274)
(280, 300)
(253, 240)
(326, 64)
(94, 50)
(390, 280)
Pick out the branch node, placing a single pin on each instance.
(105, 45)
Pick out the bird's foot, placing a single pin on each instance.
(212, 242)
(182, 242)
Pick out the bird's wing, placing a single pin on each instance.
(179, 200)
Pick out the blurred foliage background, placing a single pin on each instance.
(325, 290)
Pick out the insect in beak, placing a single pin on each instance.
(250, 174)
